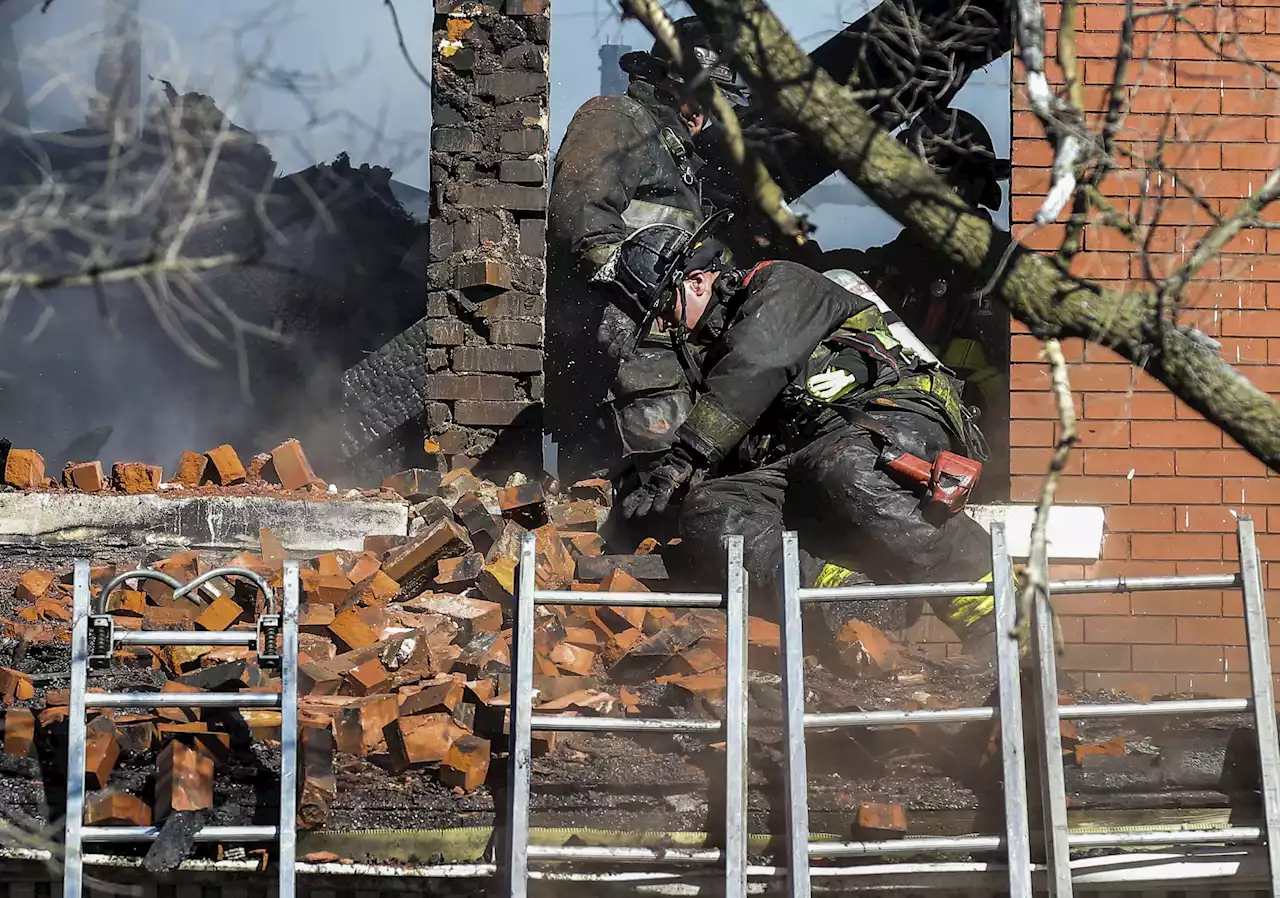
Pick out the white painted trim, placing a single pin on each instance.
(1075, 531)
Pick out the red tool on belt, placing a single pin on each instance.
(948, 481)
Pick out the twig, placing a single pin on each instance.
(404, 49)
(1036, 582)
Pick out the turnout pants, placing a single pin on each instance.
(846, 510)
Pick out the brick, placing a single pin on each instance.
(573, 659)
(1217, 462)
(1139, 519)
(490, 414)
(472, 615)
(458, 573)
(84, 476)
(1096, 657)
(497, 580)
(415, 484)
(19, 732)
(1134, 631)
(135, 477)
(580, 515)
(102, 750)
(521, 171)
(525, 7)
(24, 468)
(1211, 631)
(533, 236)
(466, 765)
(506, 196)
(454, 140)
(642, 567)
(34, 585)
(15, 686)
(527, 333)
(352, 631)
(588, 544)
(359, 728)
(471, 387)
(502, 360)
(437, 698)
(113, 807)
(413, 564)
(184, 780)
(1163, 490)
(554, 565)
(484, 274)
(191, 469)
(1178, 658)
(219, 615)
(865, 650)
(1091, 604)
(291, 465)
(1149, 462)
(511, 85)
(423, 739)
(1176, 545)
(224, 466)
(881, 821)
(1194, 603)
(514, 305)
(368, 678)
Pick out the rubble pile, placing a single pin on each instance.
(285, 469)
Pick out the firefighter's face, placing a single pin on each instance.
(688, 106)
(694, 296)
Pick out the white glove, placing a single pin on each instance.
(831, 385)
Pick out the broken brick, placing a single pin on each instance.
(881, 821)
(573, 659)
(358, 729)
(325, 589)
(708, 686)
(483, 652)
(374, 590)
(1113, 747)
(84, 476)
(865, 650)
(415, 484)
(580, 516)
(366, 565)
(459, 572)
(647, 656)
(15, 686)
(19, 732)
(697, 659)
(33, 585)
(115, 808)
(368, 678)
(466, 765)
(315, 678)
(271, 549)
(184, 780)
(220, 614)
(329, 565)
(128, 602)
(484, 528)
(422, 739)
(497, 580)
(588, 544)
(191, 469)
(437, 698)
(102, 750)
(472, 615)
(595, 489)
(319, 781)
(24, 468)
(224, 466)
(352, 631)
(523, 504)
(554, 565)
(292, 467)
(412, 564)
(641, 567)
(137, 733)
(135, 478)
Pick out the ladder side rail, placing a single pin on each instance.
(288, 838)
(1264, 704)
(520, 754)
(735, 723)
(73, 839)
(1012, 744)
(796, 775)
(1053, 785)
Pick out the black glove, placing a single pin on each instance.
(673, 472)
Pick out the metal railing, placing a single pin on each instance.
(94, 640)
(523, 722)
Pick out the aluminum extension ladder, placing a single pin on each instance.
(93, 641)
(1059, 841)
(1016, 840)
(523, 722)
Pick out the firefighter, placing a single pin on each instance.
(961, 325)
(805, 404)
(625, 162)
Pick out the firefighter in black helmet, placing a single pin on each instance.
(626, 162)
(810, 413)
(965, 329)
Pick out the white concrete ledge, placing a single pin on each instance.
(215, 522)
(1075, 531)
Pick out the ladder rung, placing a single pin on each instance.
(1236, 834)
(641, 599)
(187, 637)
(615, 853)
(621, 724)
(905, 846)
(1152, 709)
(182, 700)
(206, 834)
(879, 718)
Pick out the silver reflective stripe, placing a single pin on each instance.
(642, 212)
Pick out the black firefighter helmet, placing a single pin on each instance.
(652, 262)
(958, 146)
(711, 52)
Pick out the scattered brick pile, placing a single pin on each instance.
(283, 468)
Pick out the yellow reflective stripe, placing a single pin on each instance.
(832, 576)
(964, 611)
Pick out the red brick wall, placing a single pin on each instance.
(1170, 482)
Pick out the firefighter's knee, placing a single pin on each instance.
(966, 614)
